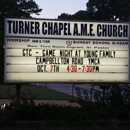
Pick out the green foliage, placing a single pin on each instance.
(14, 8)
(116, 108)
(42, 92)
(24, 95)
(108, 9)
(65, 16)
(49, 112)
(98, 9)
(80, 15)
(102, 10)
(19, 8)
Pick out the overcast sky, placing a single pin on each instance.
(53, 8)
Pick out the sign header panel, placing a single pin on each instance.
(41, 28)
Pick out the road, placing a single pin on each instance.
(67, 88)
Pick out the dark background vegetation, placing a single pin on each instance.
(114, 107)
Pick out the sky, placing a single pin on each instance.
(53, 8)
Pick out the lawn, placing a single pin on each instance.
(41, 92)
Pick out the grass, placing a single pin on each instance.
(42, 93)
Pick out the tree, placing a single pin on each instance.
(98, 9)
(14, 8)
(108, 9)
(65, 16)
(80, 15)
(19, 8)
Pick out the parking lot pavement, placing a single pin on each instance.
(2, 101)
(67, 88)
(57, 102)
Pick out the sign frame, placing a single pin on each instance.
(67, 38)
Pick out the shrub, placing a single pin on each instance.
(117, 106)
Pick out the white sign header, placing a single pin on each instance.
(66, 29)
